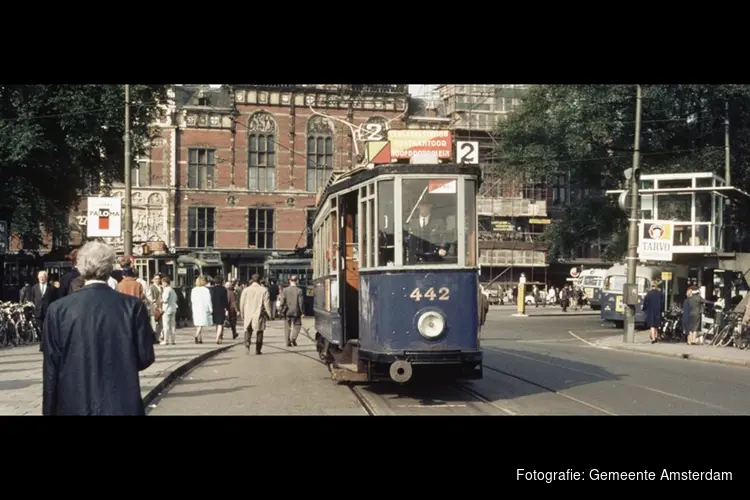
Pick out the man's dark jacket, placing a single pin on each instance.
(97, 340)
(66, 281)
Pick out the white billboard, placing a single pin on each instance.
(656, 241)
(104, 217)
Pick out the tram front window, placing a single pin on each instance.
(430, 221)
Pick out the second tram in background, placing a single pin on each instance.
(281, 267)
(396, 273)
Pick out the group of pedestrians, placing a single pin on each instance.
(214, 305)
(692, 312)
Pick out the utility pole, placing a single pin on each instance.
(630, 294)
(127, 209)
(727, 158)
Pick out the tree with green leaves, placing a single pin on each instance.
(587, 133)
(57, 141)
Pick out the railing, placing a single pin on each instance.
(509, 236)
(505, 207)
(519, 258)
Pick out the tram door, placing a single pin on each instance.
(351, 266)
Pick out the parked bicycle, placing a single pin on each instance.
(671, 325)
(17, 324)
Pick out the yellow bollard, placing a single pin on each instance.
(521, 301)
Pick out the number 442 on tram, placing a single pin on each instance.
(395, 273)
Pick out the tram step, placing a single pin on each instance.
(347, 373)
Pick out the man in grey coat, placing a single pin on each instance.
(292, 308)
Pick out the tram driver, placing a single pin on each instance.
(426, 235)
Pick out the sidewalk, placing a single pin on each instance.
(21, 369)
(551, 311)
(720, 355)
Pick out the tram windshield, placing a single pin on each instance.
(430, 221)
(616, 284)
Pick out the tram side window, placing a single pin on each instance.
(368, 229)
(333, 258)
(386, 236)
(430, 216)
(470, 221)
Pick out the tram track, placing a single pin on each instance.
(408, 400)
(548, 389)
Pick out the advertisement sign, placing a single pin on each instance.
(104, 217)
(407, 144)
(656, 241)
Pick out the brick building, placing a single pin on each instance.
(236, 169)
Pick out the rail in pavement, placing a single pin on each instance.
(21, 370)
(708, 354)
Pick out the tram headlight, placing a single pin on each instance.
(431, 324)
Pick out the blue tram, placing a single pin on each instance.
(396, 272)
(612, 306)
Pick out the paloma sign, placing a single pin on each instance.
(656, 241)
(104, 217)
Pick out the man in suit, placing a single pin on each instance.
(255, 306)
(97, 340)
(292, 309)
(426, 235)
(42, 295)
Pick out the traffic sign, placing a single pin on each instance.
(3, 237)
(666, 275)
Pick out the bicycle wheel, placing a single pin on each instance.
(729, 337)
(720, 338)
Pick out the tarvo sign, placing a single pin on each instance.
(104, 217)
(656, 241)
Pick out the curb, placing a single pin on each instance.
(681, 355)
(181, 370)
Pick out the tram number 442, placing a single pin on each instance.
(443, 293)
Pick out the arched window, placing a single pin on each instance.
(261, 152)
(319, 152)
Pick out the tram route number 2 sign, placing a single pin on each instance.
(3, 237)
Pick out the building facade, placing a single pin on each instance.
(236, 169)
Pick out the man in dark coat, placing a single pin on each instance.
(292, 309)
(653, 306)
(97, 340)
(42, 295)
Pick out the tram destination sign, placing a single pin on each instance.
(656, 241)
(407, 144)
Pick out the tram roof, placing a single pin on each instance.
(363, 174)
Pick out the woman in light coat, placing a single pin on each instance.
(200, 301)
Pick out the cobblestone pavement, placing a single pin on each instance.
(278, 382)
(709, 354)
(21, 370)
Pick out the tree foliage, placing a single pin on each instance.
(58, 140)
(587, 132)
